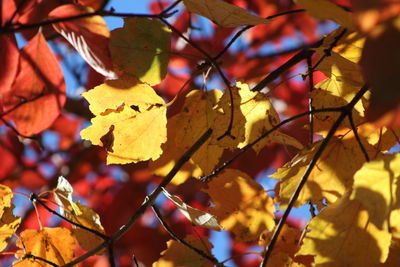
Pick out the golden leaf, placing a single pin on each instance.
(195, 216)
(141, 48)
(376, 186)
(342, 235)
(53, 244)
(222, 13)
(178, 254)
(241, 205)
(5, 198)
(8, 225)
(327, 180)
(136, 115)
(324, 9)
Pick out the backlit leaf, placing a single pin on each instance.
(130, 120)
(63, 195)
(5, 198)
(89, 36)
(141, 48)
(53, 244)
(342, 235)
(327, 180)
(222, 13)
(178, 254)
(376, 186)
(39, 86)
(241, 205)
(8, 225)
(9, 56)
(195, 216)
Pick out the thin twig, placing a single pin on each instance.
(346, 110)
(182, 241)
(169, 8)
(111, 259)
(310, 100)
(30, 256)
(35, 198)
(148, 201)
(354, 128)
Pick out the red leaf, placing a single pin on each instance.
(38, 93)
(9, 56)
(89, 36)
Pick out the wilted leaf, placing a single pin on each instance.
(141, 48)
(195, 216)
(327, 180)
(376, 186)
(241, 205)
(89, 36)
(130, 120)
(8, 225)
(222, 13)
(87, 217)
(53, 244)
(178, 254)
(342, 235)
(325, 9)
(63, 195)
(39, 86)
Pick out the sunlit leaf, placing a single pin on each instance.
(5, 198)
(53, 244)
(222, 13)
(63, 195)
(342, 235)
(141, 48)
(89, 36)
(8, 225)
(130, 120)
(195, 216)
(241, 205)
(327, 180)
(376, 186)
(178, 254)
(39, 88)
(9, 55)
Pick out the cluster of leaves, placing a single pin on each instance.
(161, 130)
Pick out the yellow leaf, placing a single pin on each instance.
(253, 114)
(141, 48)
(324, 9)
(171, 153)
(222, 13)
(86, 217)
(241, 205)
(330, 178)
(376, 186)
(8, 225)
(130, 120)
(342, 235)
(195, 216)
(196, 117)
(394, 254)
(53, 244)
(178, 254)
(5, 198)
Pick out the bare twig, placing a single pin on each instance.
(30, 256)
(354, 128)
(346, 110)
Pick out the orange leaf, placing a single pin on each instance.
(8, 225)
(39, 89)
(53, 244)
(89, 36)
(9, 56)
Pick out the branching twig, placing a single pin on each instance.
(148, 200)
(182, 241)
(346, 110)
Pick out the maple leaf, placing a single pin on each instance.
(53, 244)
(326, 181)
(38, 93)
(9, 55)
(342, 235)
(89, 36)
(141, 48)
(222, 13)
(195, 216)
(178, 254)
(241, 205)
(376, 187)
(130, 120)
